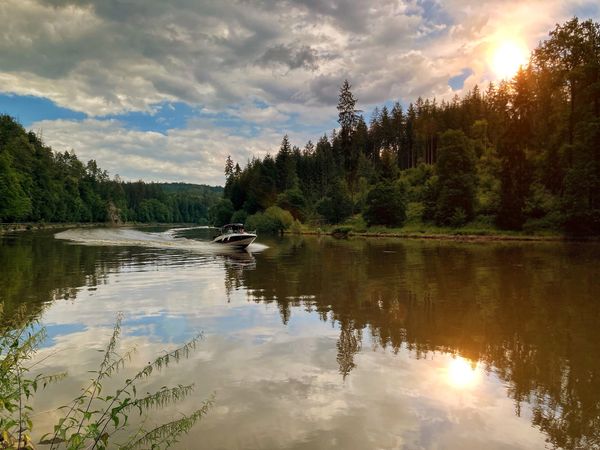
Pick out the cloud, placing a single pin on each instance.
(290, 56)
(194, 154)
(108, 57)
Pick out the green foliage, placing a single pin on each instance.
(296, 227)
(37, 184)
(342, 230)
(385, 205)
(457, 180)
(337, 205)
(220, 214)
(415, 181)
(239, 216)
(19, 339)
(293, 201)
(15, 204)
(518, 152)
(581, 201)
(93, 418)
(273, 220)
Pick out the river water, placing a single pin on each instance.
(313, 342)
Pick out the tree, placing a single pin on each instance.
(286, 167)
(14, 203)
(572, 54)
(337, 205)
(221, 213)
(347, 114)
(385, 205)
(581, 204)
(457, 180)
(349, 119)
(229, 167)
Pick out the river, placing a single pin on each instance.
(313, 342)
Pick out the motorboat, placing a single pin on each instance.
(234, 235)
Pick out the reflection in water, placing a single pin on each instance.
(528, 312)
(434, 317)
(462, 374)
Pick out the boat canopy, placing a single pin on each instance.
(234, 227)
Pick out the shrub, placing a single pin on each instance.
(93, 418)
(385, 205)
(292, 200)
(296, 227)
(342, 231)
(273, 220)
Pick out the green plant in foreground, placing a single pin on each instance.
(19, 340)
(92, 420)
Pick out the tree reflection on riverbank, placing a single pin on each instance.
(529, 313)
(526, 313)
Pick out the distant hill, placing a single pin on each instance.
(38, 184)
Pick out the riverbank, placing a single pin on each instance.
(16, 227)
(438, 233)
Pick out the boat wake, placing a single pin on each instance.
(169, 239)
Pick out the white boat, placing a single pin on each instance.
(234, 235)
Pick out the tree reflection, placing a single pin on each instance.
(527, 312)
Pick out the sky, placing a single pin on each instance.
(164, 90)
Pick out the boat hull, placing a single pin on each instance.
(235, 240)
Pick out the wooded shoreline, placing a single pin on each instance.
(31, 226)
(449, 237)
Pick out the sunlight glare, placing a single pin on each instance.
(507, 57)
(461, 373)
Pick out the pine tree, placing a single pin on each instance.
(228, 167)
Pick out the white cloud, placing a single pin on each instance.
(104, 57)
(196, 154)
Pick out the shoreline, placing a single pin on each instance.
(34, 226)
(450, 237)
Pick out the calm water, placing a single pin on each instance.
(323, 343)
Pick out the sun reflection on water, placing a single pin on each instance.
(462, 373)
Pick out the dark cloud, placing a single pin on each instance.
(291, 56)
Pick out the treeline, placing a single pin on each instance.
(521, 154)
(39, 185)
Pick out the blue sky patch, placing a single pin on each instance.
(54, 331)
(28, 109)
(165, 116)
(457, 82)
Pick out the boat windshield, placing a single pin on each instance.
(233, 228)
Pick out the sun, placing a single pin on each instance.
(507, 56)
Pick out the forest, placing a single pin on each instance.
(522, 154)
(40, 185)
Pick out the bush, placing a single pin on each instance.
(292, 200)
(296, 227)
(342, 231)
(357, 222)
(385, 206)
(550, 222)
(273, 220)
(93, 419)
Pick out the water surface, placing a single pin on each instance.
(312, 342)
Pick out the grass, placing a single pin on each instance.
(415, 228)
